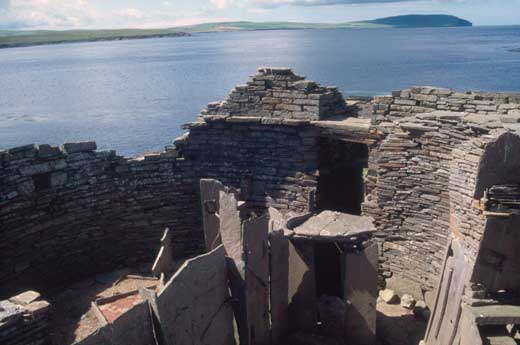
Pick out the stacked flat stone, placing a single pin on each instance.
(504, 198)
(409, 187)
(24, 319)
(424, 99)
(279, 93)
(466, 217)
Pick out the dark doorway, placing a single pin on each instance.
(327, 261)
(340, 181)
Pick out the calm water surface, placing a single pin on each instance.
(134, 95)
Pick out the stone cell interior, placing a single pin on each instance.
(433, 170)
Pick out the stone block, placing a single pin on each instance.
(25, 298)
(407, 301)
(388, 296)
(79, 147)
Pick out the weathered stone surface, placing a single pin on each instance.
(194, 305)
(335, 224)
(230, 226)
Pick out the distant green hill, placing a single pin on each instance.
(10, 38)
(421, 21)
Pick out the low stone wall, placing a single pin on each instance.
(24, 319)
(425, 99)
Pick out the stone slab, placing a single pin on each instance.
(194, 306)
(331, 224)
(209, 197)
(257, 279)
(360, 284)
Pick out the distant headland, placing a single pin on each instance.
(11, 39)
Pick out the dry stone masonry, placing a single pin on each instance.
(420, 165)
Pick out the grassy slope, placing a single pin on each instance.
(27, 38)
(244, 26)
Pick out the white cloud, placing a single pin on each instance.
(47, 13)
(221, 4)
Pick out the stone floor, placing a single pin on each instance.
(398, 326)
(73, 317)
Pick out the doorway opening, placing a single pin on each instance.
(327, 261)
(340, 182)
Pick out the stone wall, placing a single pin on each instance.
(72, 211)
(425, 99)
(272, 161)
(409, 187)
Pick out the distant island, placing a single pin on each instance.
(404, 21)
(10, 39)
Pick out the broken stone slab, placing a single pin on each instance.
(388, 296)
(407, 301)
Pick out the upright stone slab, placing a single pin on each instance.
(302, 286)
(360, 284)
(209, 198)
(231, 234)
(257, 279)
(279, 266)
(164, 261)
(194, 306)
(230, 226)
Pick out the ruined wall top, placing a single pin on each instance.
(279, 93)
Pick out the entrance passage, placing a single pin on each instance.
(327, 261)
(340, 181)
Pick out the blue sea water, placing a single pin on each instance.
(133, 96)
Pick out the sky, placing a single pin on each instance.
(95, 14)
